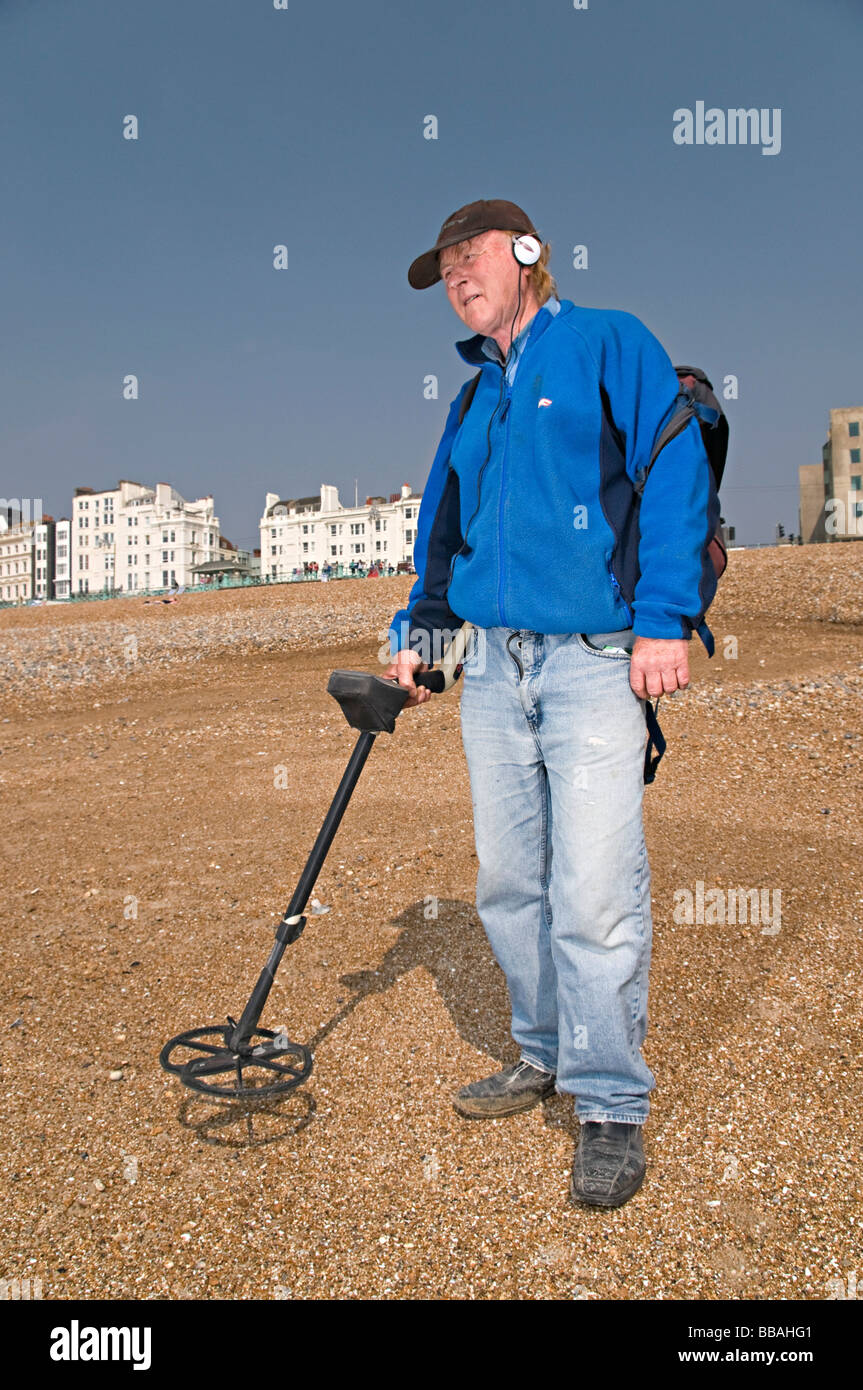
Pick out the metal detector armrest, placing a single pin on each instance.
(372, 703)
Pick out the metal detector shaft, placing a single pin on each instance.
(292, 923)
(263, 1064)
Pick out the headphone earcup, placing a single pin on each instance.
(526, 249)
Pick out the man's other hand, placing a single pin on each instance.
(402, 669)
(659, 666)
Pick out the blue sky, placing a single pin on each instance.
(305, 127)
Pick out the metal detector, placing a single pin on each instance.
(240, 1060)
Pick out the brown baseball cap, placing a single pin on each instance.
(486, 215)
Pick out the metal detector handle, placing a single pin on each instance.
(445, 675)
(435, 680)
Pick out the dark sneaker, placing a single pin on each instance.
(609, 1164)
(506, 1093)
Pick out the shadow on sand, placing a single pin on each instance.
(454, 949)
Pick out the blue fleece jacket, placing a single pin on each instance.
(531, 517)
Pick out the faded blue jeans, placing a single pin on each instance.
(554, 738)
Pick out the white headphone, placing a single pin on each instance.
(526, 249)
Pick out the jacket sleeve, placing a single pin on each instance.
(679, 510)
(437, 540)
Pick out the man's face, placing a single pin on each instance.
(480, 277)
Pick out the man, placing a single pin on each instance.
(529, 518)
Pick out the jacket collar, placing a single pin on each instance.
(470, 349)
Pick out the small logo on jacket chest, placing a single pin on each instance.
(543, 401)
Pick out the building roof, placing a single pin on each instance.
(221, 567)
(287, 504)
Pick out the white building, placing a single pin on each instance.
(17, 546)
(62, 558)
(52, 558)
(134, 538)
(317, 530)
(44, 557)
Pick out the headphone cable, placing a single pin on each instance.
(500, 399)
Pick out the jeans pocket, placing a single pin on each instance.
(609, 653)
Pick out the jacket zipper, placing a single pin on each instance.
(617, 594)
(507, 403)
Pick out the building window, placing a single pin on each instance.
(855, 481)
(409, 535)
(854, 429)
(855, 455)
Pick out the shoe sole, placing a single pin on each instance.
(479, 1114)
(616, 1201)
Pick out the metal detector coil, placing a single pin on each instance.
(268, 1064)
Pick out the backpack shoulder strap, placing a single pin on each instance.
(467, 398)
(679, 420)
(655, 739)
